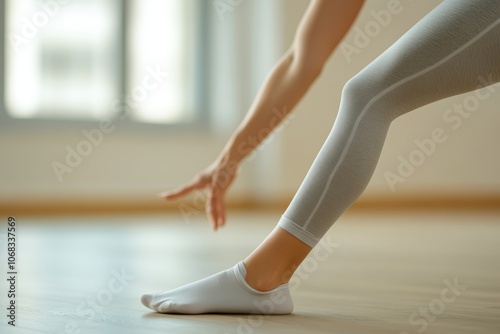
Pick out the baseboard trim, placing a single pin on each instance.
(88, 207)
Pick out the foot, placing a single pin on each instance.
(225, 292)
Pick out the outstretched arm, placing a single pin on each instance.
(323, 26)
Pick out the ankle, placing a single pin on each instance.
(275, 260)
(263, 285)
(264, 280)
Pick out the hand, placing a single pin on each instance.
(217, 178)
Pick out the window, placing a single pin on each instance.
(162, 34)
(94, 59)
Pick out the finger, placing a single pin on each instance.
(221, 212)
(210, 208)
(215, 211)
(219, 186)
(220, 209)
(195, 185)
(218, 189)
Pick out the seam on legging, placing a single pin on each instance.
(298, 231)
(379, 95)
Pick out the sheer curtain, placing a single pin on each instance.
(244, 45)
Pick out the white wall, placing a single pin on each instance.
(137, 165)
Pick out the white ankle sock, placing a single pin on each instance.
(225, 292)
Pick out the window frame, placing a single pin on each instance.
(202, 112)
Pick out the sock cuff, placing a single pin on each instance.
(240, 272)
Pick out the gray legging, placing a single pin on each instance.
(453, 50)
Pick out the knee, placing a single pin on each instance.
(352, 88)
(357, 95)
(367, 95)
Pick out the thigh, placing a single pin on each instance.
(454, 49)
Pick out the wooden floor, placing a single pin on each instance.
(410, 272)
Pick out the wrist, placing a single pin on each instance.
(227, 164)
(232, 152)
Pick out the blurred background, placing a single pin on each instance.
(103, 104)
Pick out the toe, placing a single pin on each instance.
(146, 300)
(166, 307)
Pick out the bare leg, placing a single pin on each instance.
(275, 260)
